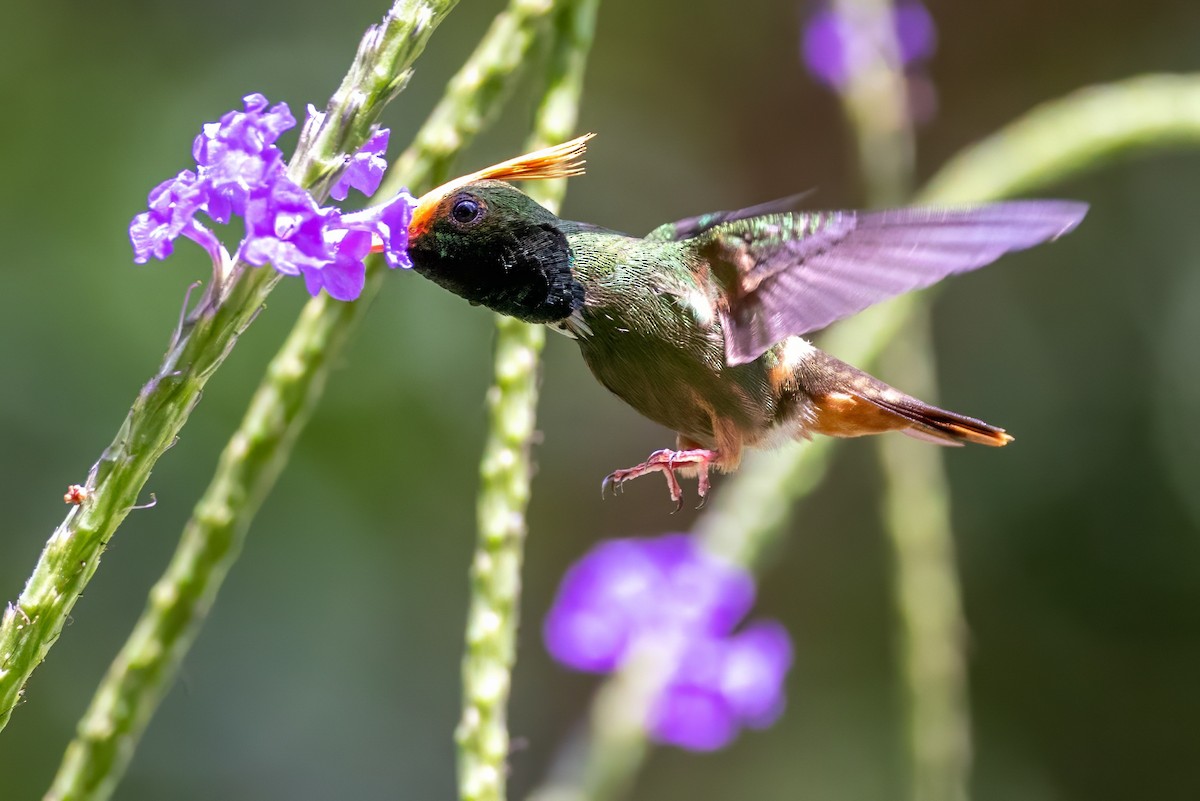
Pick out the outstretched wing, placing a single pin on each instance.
(788, 274)
(689, 227)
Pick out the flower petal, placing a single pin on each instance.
(389, 221)
(366, 168)
(916, 33)
(172, 206)
(693, 717)
(824, 47)
(285, 227)
(754, 666)
(626, 590)
(237, 155)
(345, 277)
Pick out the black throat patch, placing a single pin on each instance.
(522, 269)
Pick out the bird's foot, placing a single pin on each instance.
(667, 462)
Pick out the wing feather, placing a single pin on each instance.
(789, 274)
(689, 227)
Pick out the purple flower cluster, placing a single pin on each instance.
(837, 47)
(241, 173)
(669, 595)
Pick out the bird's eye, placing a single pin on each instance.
(466, 210)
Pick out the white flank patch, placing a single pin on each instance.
(701, 306)
(795, 350)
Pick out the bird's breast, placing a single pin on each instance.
(656, 342)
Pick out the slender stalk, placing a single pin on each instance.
(381, 69)
(600, 761)
(925, 586)
(475, 93)
(492, 617)
(1056, 141)
(249, 466)
(205, 337)
(1077, 133)
(875, 100)
(926, 589)
(1067, 136)
(127, 697)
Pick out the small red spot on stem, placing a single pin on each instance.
(77, 494)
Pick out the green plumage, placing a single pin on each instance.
(656, 339)
(697, 325)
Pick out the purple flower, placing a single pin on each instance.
(173, 206)
(285, 228)
(343, 279)
(837, 47)
(240, 172)
(824, 47)
(720, 685)
(366, 168)
(626, 589)
(238, 155)
(669, 595)
(916, 35)
(389, 222)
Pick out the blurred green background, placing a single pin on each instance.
(330, 666)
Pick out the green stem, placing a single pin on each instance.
(492, 617)
(1056, 141)
(71, 556)
(601, 761)
(1065, 137)
(179, 603)
(875, 101)
(925, 586)
(127, 697)
(381, 69)
(1049, 144)
(474, 94)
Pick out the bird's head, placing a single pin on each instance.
(493, 245)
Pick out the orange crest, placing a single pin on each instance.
(557, 161)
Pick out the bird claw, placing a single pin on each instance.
(666, 462)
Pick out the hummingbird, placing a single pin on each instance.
(699, 325)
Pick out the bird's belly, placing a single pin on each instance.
(676, 376)
(657, 393)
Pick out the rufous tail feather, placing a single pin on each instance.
(846, 402)
(942, 427)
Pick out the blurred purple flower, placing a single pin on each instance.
(916, 34)
(721, 684)
(626, 589)
(837, 47)
(240, 172)
(670, 595)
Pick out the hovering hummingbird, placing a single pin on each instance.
(698, 324)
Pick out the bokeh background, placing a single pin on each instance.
(330, 666)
